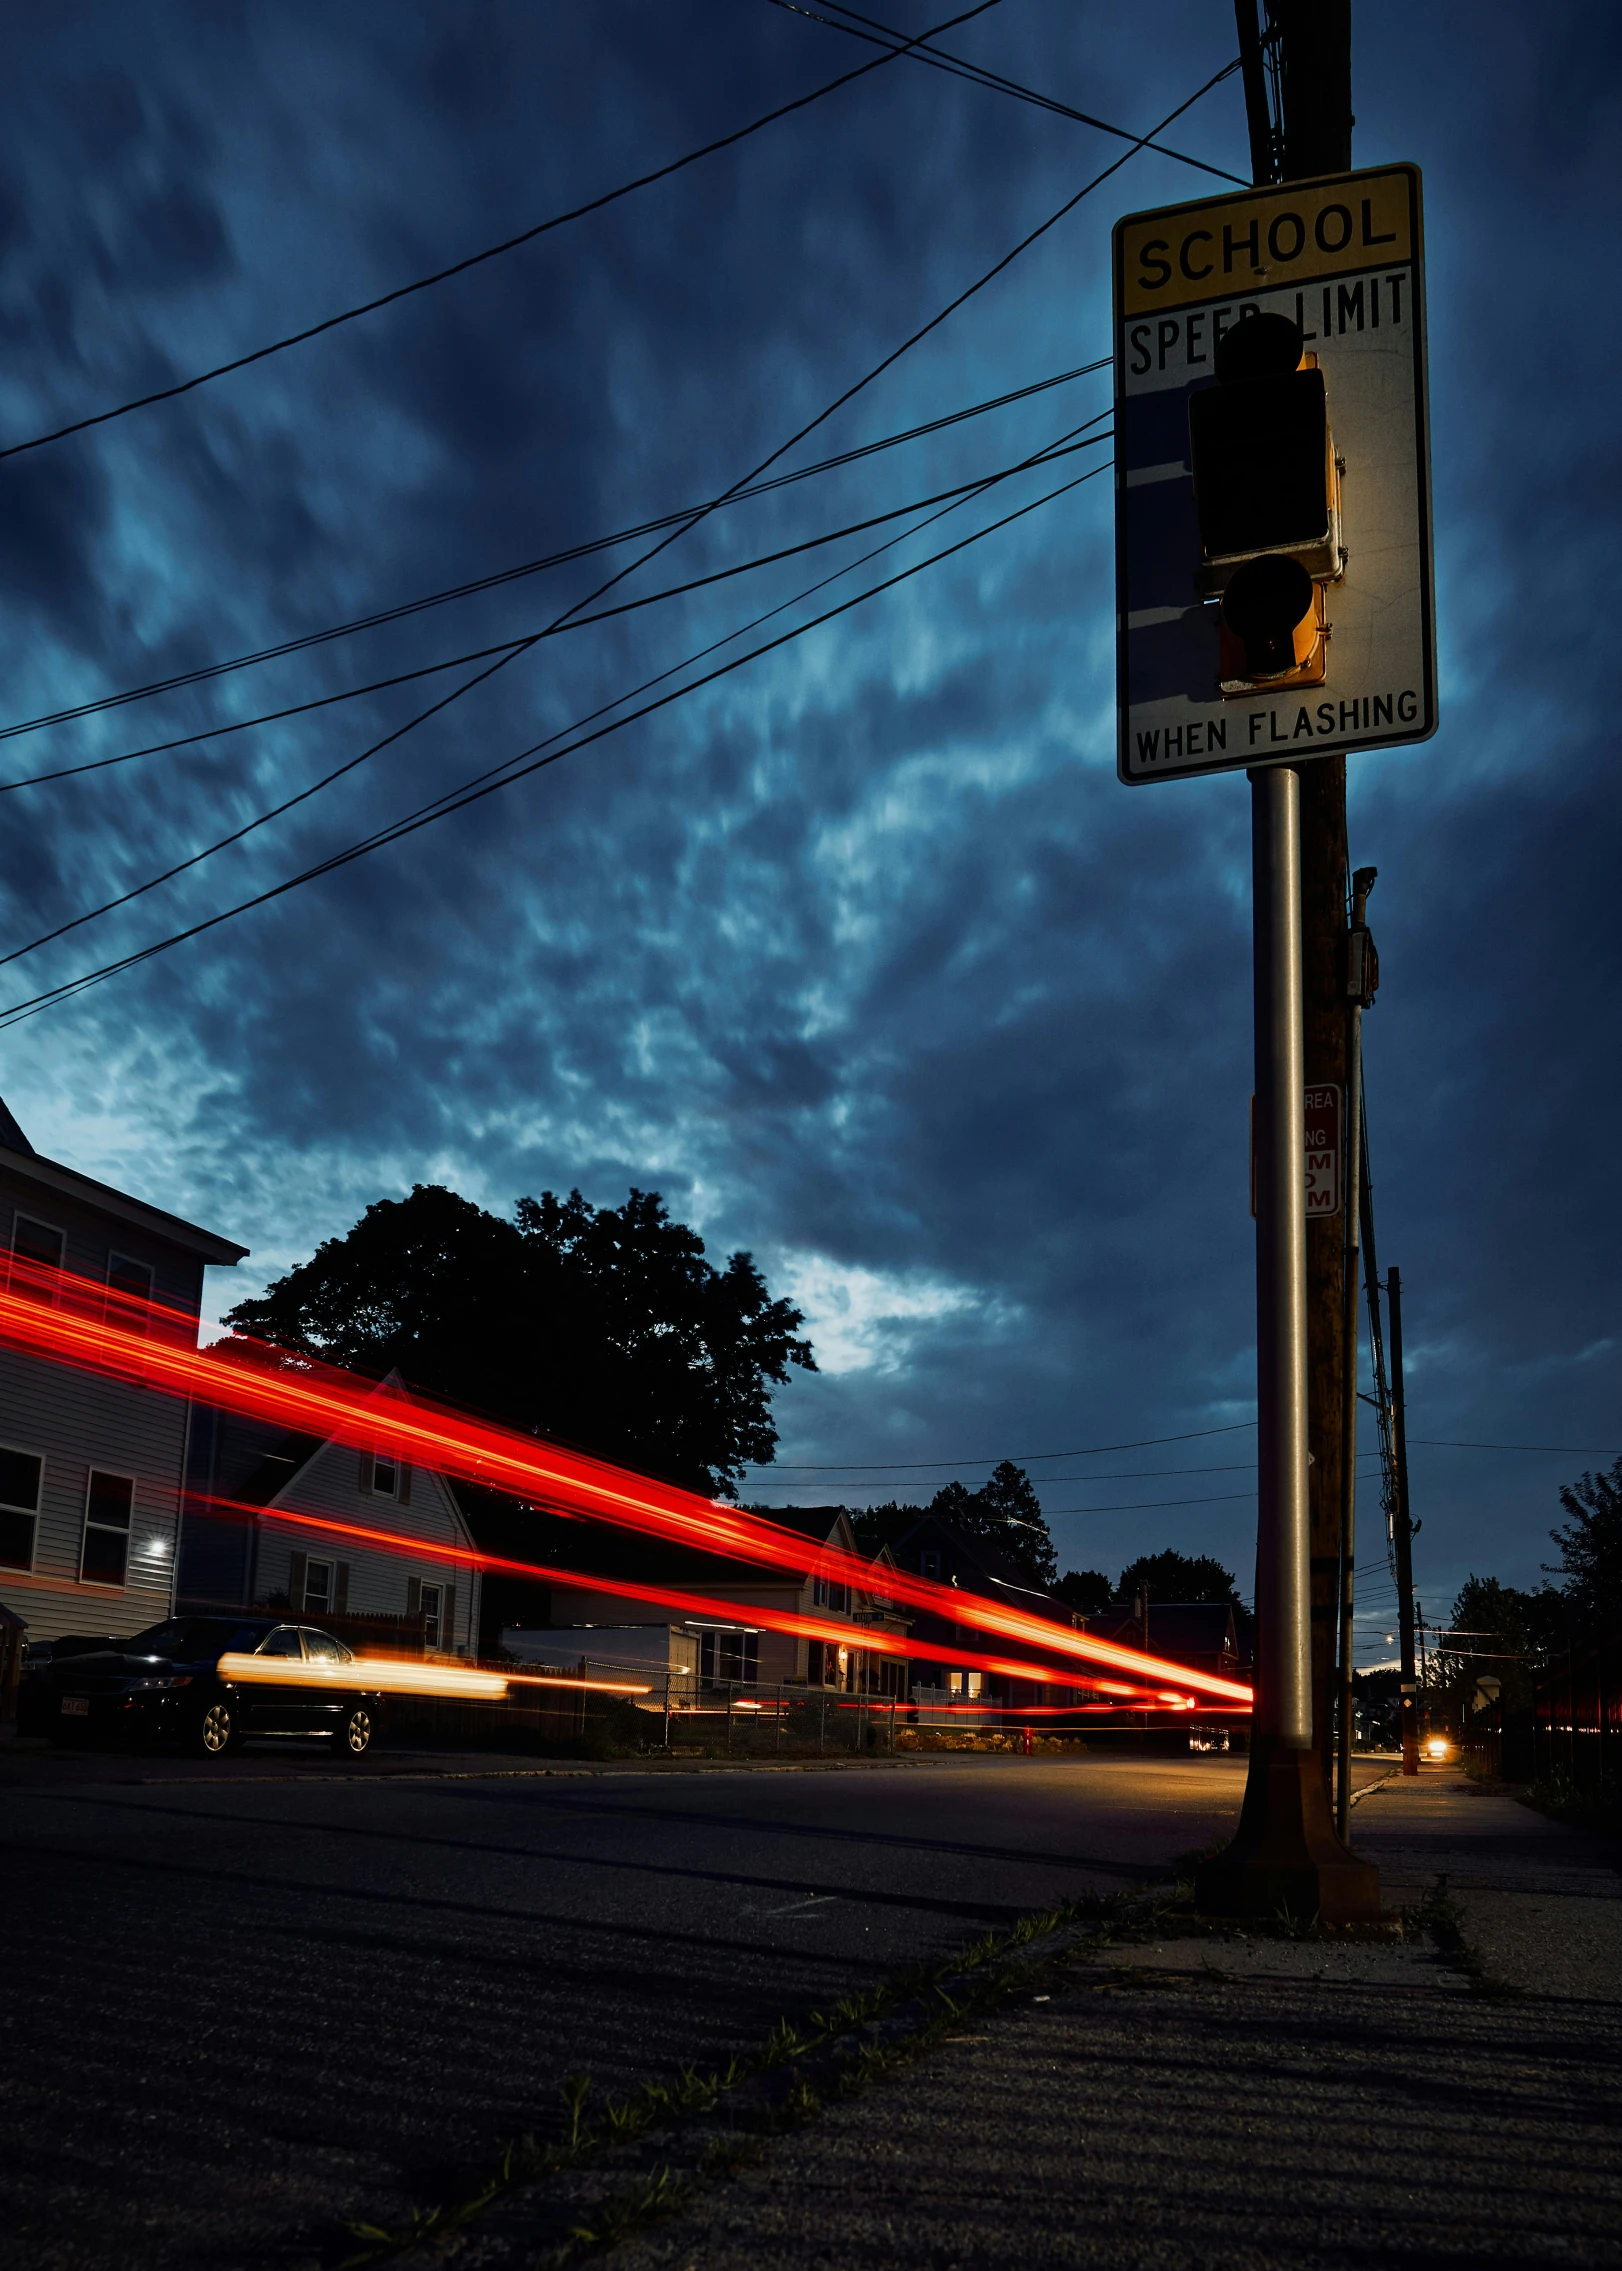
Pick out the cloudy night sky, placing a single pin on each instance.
(860, 955)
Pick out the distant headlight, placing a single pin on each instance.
(178, 1679)
(1437, 1746)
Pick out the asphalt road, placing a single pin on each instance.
(248, 2002)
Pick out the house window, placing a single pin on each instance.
(38, 1243)
(317, 1588)
(108, 1501)
(964, 1683)
(133, 1280)
(433, 1601)
(725, 1657)
(929, 1565)
(20, 1476)
(385, 1475)
(825, 1594)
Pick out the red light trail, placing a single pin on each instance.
(74, 1321)
(703, 1606)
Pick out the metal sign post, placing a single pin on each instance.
(1284, 1696)
(1286, 1855)
(1274, 605)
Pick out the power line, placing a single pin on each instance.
(1149, 1505)
(72, 987)
(1572, 1450)
(511, 655)
(1019, 1458)
(490, 252)
(1051, 1482)
(447, 798)
(501, 576)
(960, 67)
(507, 777)
(1137, 1474)
(1137, 1505)
(1063, 448)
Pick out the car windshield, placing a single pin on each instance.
(193, 1636)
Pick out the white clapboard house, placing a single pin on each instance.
(91, 1470)
(245, 1546)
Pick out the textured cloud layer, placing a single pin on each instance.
(861, 956)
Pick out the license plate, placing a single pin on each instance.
(76, 1707)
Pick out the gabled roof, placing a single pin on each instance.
(809, 1521)
(11, 1135)
(590, 1549)
(268, 1464)
(19, 1156)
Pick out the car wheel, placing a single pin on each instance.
(217, 1731)
(354, 1736)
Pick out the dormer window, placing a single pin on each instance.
(929, 1565)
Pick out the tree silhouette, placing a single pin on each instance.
(1004, 1512)
(1169, 1576)
(1591, 1546)
(602, 1326)
(1087, 1591)
(1489, 1639)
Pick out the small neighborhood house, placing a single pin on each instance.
(258, 1503)
(120, 1506)
(90, 1469)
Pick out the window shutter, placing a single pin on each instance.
(366, 1470)
(413, 1596)
(404, 1485)
(447, 1622)
(295, 1582)
(340, 1590)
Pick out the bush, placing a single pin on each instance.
(1599, 1809)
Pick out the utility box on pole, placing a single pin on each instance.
(1272, 477)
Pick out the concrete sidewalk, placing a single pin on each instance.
(1246, 2103)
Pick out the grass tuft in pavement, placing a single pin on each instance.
(1437, 1916)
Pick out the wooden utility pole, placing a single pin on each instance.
(1297, 68)
(1402, 1529)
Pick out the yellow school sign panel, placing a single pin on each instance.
(1304, 483)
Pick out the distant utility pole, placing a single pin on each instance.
(1297, 68)
(1403, 1529)
(1362, 976)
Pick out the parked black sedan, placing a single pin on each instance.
(167, 1682)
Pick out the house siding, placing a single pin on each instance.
(92, 1236)
(380, 1577)
(242, 1547)
(75, 1421)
